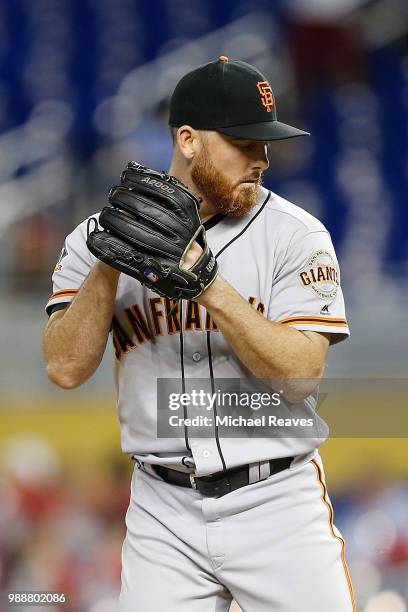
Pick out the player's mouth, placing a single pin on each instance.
(251, 182)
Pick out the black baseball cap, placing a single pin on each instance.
(231, 97)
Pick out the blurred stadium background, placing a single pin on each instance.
(84, 88)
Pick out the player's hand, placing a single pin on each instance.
(192, 256)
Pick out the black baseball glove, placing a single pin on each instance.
(151, 223)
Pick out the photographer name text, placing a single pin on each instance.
(239, 421)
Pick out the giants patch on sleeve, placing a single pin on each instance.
(321, 275)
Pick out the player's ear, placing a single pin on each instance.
(188, 140)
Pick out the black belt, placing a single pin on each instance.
(218, 484)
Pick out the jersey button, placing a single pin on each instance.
(196, 356)
(206, 453)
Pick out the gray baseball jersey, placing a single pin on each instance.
(281, 260)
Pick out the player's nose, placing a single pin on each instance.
(260, 158)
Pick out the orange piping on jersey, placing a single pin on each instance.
(329, 506)
(307, 322)
(63, 293)
(313, 320)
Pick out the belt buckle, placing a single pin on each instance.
(215, 488)
(192, 481)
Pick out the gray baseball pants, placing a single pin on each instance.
(271, 546)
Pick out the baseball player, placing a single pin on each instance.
(248, 290)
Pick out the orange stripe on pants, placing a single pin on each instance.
(329, 506)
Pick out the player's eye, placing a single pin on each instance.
(244, 144)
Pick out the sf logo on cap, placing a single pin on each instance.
(266, 94)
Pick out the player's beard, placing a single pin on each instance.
(227, 197)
